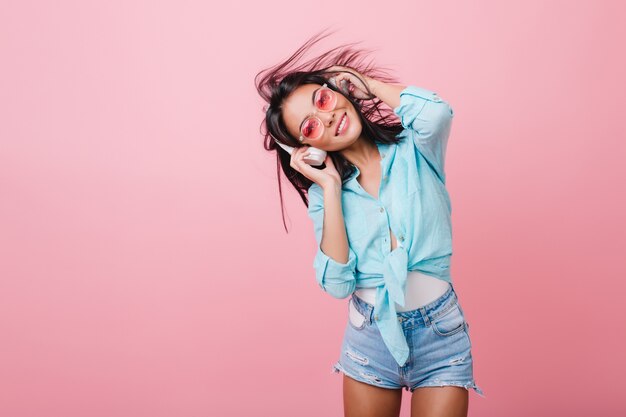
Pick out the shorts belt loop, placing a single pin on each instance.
(370, 314)
(425, 316)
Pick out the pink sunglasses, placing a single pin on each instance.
(325, 101)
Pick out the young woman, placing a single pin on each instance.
(381, 217)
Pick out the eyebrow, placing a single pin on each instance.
(312, 101)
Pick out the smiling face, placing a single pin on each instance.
(340, 128)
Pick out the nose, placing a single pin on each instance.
(327, 118)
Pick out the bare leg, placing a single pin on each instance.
(448, 401)
(364, 400)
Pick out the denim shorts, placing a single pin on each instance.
(438, 339)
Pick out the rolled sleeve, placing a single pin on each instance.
(429, 119)
(336, 278)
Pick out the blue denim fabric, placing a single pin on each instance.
(439, 347)
(413, 202)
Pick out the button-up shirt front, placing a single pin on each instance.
(413, 202)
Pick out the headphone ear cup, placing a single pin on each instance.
(345, 86)
(288, 148)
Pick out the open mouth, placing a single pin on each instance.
(343, 123)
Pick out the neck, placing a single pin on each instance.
(361, 153)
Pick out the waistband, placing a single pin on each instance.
(420, 316)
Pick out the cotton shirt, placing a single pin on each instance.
(413, 202)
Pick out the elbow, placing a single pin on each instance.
(443, 120)
(441, 114)
(438, 120)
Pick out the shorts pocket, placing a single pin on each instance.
(356, 319)
(451, 322)
(469, 338)
(467, 325)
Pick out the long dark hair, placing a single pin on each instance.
(276, 83)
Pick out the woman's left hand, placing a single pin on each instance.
(350, 82)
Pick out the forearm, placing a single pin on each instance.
(388, 93)
(334, 238)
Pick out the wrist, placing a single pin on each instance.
(373, 85)
(331, 189)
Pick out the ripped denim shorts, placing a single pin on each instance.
(438, 339)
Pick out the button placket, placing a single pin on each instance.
(385, 248)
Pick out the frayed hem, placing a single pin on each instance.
(467, 386)
(374, 381)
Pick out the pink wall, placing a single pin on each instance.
(140, 222)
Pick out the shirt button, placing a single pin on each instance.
(436, 98)
(401, 238)
(382, 155)
(376, 317)
(382, 209)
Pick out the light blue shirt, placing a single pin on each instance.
(412, 201)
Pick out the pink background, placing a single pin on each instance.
(140, 227)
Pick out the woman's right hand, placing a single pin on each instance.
(327, 177)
